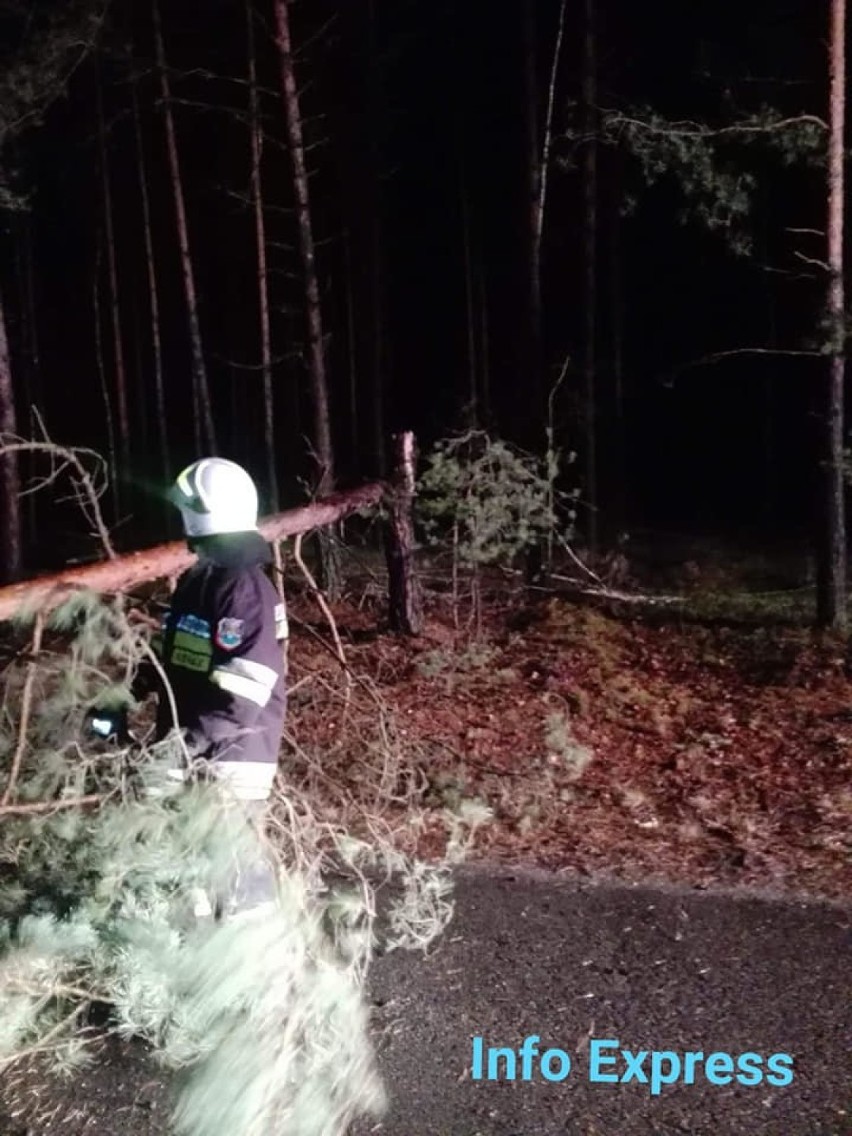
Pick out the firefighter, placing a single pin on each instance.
(222, 644)
(222, 641)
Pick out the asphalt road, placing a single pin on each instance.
(577, 965)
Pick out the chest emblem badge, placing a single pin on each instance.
(229, 633)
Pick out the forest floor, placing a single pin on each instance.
(671, 745)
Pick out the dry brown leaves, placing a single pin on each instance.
(695, 754)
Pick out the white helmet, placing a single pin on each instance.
(215, 496)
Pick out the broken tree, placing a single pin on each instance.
(406, 604)
(122, 573)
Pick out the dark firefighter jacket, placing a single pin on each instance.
(221, 647)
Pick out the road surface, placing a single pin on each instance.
(601, 973)
(577, 966)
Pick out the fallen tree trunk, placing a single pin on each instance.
(128, 571)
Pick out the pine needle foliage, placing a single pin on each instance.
(261, 1015)
(719, 169)
(492, 502)
(41, 46)
(496, 499)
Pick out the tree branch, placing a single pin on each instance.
(821, 264)
(688, 129)
(87, 494)
(37, 807)
(718, 356)
(326, 610)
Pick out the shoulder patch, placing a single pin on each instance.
(194, 625)
(229, 633)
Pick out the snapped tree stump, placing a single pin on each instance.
(405, 598)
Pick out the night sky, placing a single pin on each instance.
(401, 114)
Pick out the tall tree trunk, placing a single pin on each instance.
(122, 410)
(262, 275)
(590, 243)
(472, 409)
(538, 164)
(10, 510)
(145, 504)
(770, 502)
(141, 391)
(832, 592)
(153, 289)
(485, 345)
(377, 248)
(323, 447)
(203, 426)
(529, 403)
(617, 461)
(30, 384)
(307, 249)
(112, 457)
(378, 393)
(544, 158)
(532, 407)
(351, 340)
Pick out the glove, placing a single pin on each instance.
(147, 680)
(108, 725)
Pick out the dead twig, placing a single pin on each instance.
(37, 807)
(326, 610)
(606, 593)
(86, 492)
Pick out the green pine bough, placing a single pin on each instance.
(489, 502)
(102, 860)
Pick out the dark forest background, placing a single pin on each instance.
(681, 298)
